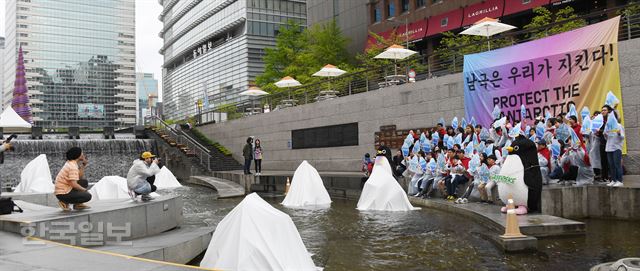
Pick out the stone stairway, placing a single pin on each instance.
(223, 162)
(172, 142)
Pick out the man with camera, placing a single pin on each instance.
(6, 146)
(142, 169)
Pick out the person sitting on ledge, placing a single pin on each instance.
(141, 169)
(68, 187)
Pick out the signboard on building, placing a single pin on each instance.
(91, 111)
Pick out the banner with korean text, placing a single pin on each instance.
(547, 75)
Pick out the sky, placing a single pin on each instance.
(147, 41)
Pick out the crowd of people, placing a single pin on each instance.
(570, 152)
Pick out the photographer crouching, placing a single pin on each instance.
(139, 176)
(6, 146)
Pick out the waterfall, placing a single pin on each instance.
(106, 157)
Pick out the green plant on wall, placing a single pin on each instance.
(210, 142)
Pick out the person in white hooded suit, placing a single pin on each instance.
(382, 192)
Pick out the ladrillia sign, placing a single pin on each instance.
(476, 12)
(483, 11)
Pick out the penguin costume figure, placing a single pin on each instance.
(528, 153)
(383, 150)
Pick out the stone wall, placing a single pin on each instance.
(407, 106)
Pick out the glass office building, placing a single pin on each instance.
(213, 49)
(147, 93)
(79, 60)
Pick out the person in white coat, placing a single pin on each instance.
(142, 168)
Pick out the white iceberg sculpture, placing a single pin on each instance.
(382, 192)
(306, 188)
(36, 177)
(257, 236)
(166, 179)
(110, 187)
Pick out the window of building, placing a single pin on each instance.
(444, 22)
(436, 1)
(391, 9)
(420, 3)
(377, 15)
(405, 5)
(524, 2)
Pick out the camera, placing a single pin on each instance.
(10, 138)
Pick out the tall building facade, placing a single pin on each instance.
(147, 93)
(1, 70)
(421, 23)
(351, 17)
(213, 49)
(79, 60)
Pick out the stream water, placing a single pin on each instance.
(343, 238)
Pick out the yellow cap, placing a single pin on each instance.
(146, 155)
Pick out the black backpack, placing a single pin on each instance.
(7, 206)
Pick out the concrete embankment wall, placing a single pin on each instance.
(407, 106)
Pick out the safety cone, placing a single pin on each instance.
(512, 229)
(286, 188)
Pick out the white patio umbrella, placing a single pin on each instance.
(287, 82)
(253, 92)
(329, 71)
(395, 52)
(487, 27)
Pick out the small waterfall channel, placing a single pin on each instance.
(106, 156)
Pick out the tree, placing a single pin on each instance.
(372, 67)
(544, 18)
(300, 53)
(628, 14)
(290, 42)
(453, 47)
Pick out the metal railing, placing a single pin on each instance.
(437, 64)
(201, 152)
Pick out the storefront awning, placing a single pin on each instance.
(515, 6)
(417, 30)
(476, 12)
(444, 22)
(372, 42)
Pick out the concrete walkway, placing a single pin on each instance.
(106, 220)
(19, 256)
(226, 189)
(176, 246)
(537, 225)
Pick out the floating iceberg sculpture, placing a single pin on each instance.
(382, 192)
(110, 187)
(257, 236)
(307, 188)
(36, 177)
(166, 179)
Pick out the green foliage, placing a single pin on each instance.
(543, 17)
(210, 142)
(231, 110)
(453, 47)
(300, 53)
(367, 61)
(630, 13)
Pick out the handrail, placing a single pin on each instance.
(376, 77)
(182, 138)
